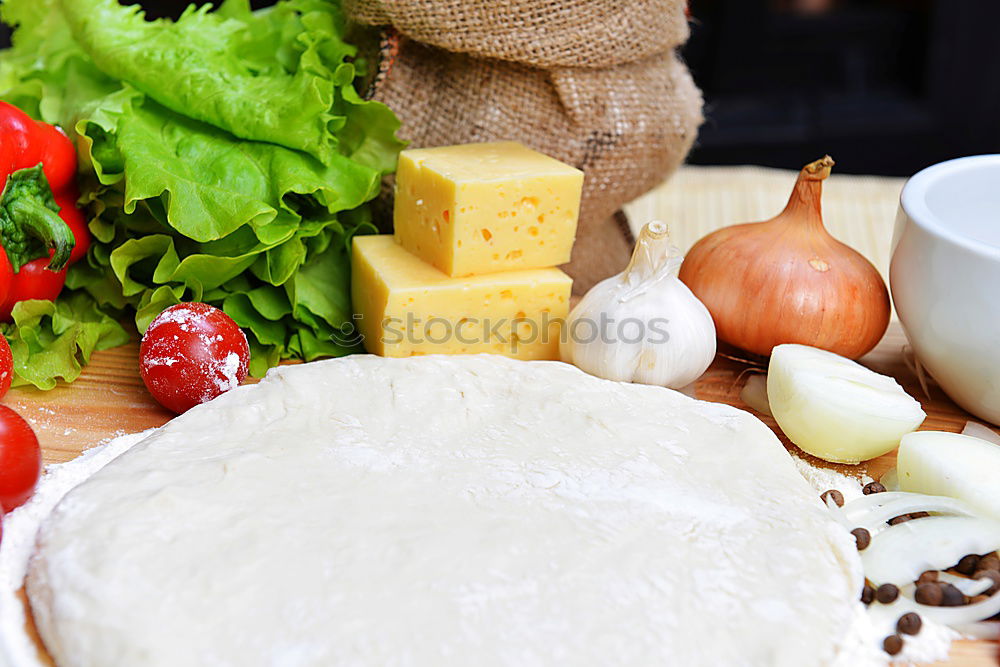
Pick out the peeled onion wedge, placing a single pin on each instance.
(836, 409)
(951, 464)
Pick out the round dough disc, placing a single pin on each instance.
(446, 511)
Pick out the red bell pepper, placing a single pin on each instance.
(41, 230)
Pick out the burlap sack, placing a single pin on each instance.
(626, 125)
(543, 33)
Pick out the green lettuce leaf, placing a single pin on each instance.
(225, 157)
(53, 341)
(211, 182)
(191, 67)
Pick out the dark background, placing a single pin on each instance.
(885, 86)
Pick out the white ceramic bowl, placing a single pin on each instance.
(945, 277)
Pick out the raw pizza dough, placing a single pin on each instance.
(446, 511)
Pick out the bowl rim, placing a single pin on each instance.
(913, 202)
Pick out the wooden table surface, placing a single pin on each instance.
(109, 399)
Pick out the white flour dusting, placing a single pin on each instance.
(19, 529)
(229, 369)
(870, 625)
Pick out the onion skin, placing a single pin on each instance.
(787, 280)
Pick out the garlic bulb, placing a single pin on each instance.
(643, 325)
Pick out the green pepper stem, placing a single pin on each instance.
(46, 225)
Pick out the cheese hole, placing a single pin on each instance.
(514, 254)
(486, 234)
(533, 231)
(522, 330)
(541, 218)
(529, 202)
(506, 294)
(447, 216)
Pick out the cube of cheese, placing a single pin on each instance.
(406, 306)
(481, 208)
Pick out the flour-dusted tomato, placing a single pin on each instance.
(190, 354)
(6, 366)
(20, 459)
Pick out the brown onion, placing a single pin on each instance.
(787, 280)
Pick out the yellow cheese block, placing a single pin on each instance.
(481, 208)
(405, 306)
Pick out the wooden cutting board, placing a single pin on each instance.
(109, 399)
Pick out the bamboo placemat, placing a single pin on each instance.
(858, 210)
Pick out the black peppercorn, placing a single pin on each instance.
(951, 596)
(909, 624)
(892, 644)
(836, 496)
(886, 593)
(873, 487)
(968, 564)
(989, 562)
(929, 594)
(862, 538)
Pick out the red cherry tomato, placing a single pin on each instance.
(190, 354)
(6, 366)
(33, 281)
(74, 217)
(20, 459)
